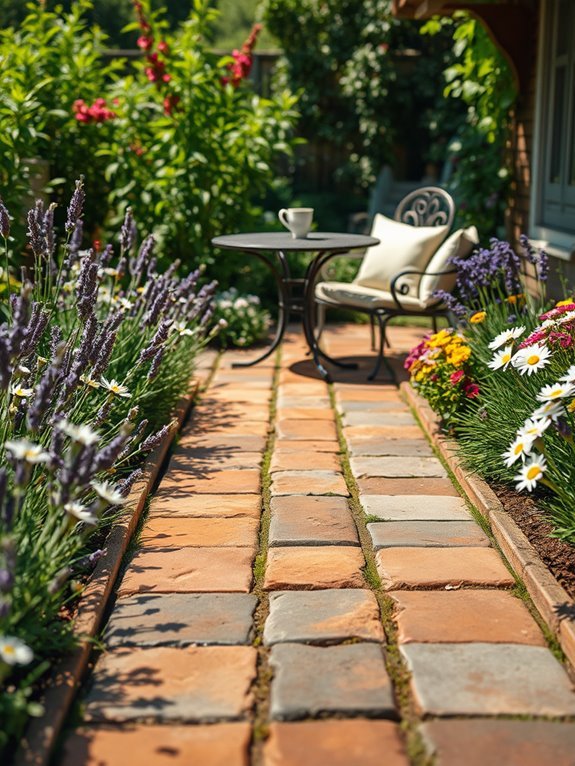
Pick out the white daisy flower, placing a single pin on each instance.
(83, 434)
(115, 388)
(555, 391)
(501, 358)
(15, 652)
(181, 329)
(108, 272)
(520, 448)
(545, 324)
(568, 317)
(506, 337)
(108, 492)
(531, 472)
(23, 449)
(531, 359)
(569, 376)
(20, 392)
(21, 370)
(533, 429)
(81, 512)
(124, 303)
(552, 410)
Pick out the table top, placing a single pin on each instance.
(316, 241)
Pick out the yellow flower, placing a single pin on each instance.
(520, 297)
(571, 406)
(459, 356)
(478, 317)
(440, 338)
(566, 302)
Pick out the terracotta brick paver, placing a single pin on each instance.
(197, 637)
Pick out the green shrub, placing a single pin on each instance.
(242, 321)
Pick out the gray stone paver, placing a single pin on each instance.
(309, 483)
(488, 679)
(397, 467)
(370, 407)
(302, 520)
(323, 616)
(349, 679)
(181, 619)
(416, 507)
(370, 418)
(380, 445)
(426, 534)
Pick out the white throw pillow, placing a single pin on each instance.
(459, 244)
(401, 247)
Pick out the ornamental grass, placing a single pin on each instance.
(96, 347)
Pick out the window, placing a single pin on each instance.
(555, 171)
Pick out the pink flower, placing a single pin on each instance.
(471, 390)
(163, 47)
(455, 377)
(145, 42)
(535, 337)
(557, 311)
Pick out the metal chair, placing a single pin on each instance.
(429, 207)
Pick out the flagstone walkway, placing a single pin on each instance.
(310, 589)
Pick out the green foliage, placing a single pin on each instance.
(359, 91)
(480, 78)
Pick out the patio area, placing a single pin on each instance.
(310, 587)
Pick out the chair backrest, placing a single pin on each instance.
(428, 206)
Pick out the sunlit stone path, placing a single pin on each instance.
(309, 588)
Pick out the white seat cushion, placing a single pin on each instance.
(354, 295)
(401, 247)
(459, 244)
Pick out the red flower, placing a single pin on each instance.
(455, 377)
(171, 103)
(242, 64)
(163, 47)
(471, 390)
(145, 43)
(98, 112)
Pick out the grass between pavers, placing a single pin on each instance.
(396, 667)
(519, 589)
(262, 683)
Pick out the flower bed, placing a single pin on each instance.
(95, 352)
(511, 405)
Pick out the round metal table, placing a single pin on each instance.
(272, 248)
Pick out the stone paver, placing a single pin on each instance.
(306, 520)
(488, 679)
(225, 481)
(383, 432)
(337, 743)
(186, 684)
(397, 467)
(306, 445)
(283, 460)
(304, 413)
(514, 743)
(309, 483)
(384, 486)
(314, 568)
(204, 459)
(189, 570)
(416, 507)
(441, 567)
(371, 418)
(318, 430)
(322, 616)
(371, 407)
(223, 744)
(181, 619)
(427, 534)
(488, 616)
(223, 442)
(349, 679)
(162, 532)
(212, 506)
(379, 445)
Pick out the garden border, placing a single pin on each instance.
(547, 594)
(38, 742)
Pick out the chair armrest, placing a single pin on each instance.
(397, 290)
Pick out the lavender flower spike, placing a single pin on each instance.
(127, 232)
(36, 228)
(4, 221)
(76, 206)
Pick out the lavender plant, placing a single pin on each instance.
(95, 351)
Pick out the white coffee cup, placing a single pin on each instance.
(297, 219)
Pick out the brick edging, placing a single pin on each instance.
(41, 734)
(546, 593)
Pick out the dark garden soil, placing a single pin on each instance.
(557, 555)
